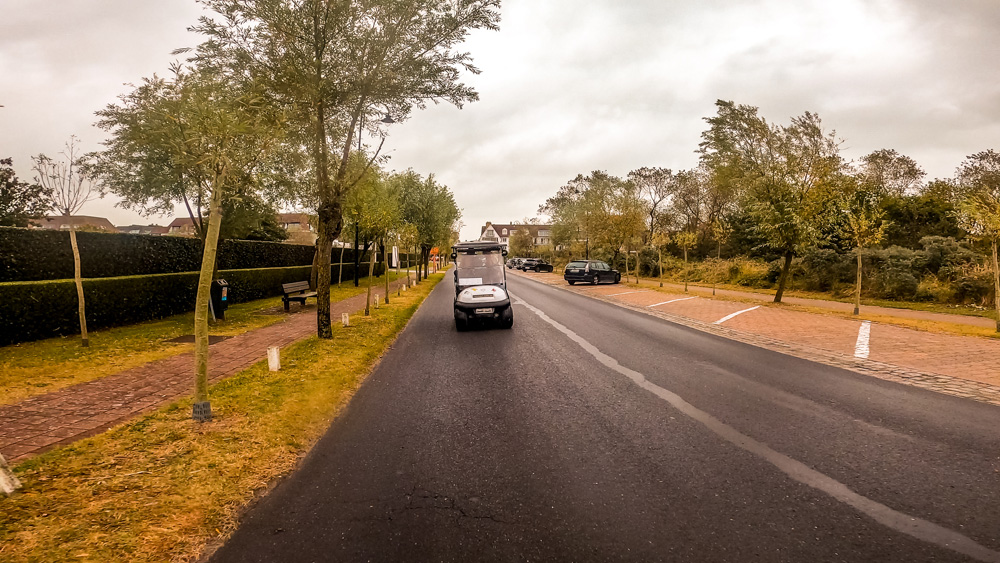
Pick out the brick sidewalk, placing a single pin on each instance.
(45, 421)
(965, 366)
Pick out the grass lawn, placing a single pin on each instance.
(43, 366)
(163, 487)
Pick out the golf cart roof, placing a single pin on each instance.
(478, 246)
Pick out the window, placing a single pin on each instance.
(505, 232)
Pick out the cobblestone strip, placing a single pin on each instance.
(54, 419)
(939, 383)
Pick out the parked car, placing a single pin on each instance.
(590, 271)
(536, 265)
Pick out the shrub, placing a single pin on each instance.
(36, 254)
(42, 309)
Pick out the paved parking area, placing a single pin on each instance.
(966, 366)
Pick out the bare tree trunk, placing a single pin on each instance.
(857, 287)
(84, 340)
(718, 257)
(685, 269)
(996, 283)
(399, 259)
(314, 271)
(357, 257)
(371, 272)
(340, 271)
(385, 271)
(203, 297)
(659, 252)
(784, 276)
(330, 215)
(408, 266)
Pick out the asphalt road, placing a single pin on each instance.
(589, 432)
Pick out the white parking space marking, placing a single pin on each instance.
(861, 349)
(672, 301)
(727, 317)
(913, 526)
(624, 293)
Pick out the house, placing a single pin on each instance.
(143, 230)
(182, 227)
(541, 234)
(78, 222)
(299, 227)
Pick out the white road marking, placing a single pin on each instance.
(861, 349)
(912, 526)
(624, 293)
(727, 317)
(671, 301)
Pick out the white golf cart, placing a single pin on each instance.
(481, 285)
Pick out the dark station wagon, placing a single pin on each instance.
(590, 271)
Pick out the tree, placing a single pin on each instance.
(722, 230)
(430, 207)
(656, 186)
(659, 241)
(864, 226)
(20, 202)
(978, 205)
(521, 242)
(784, 175)
(140, 164)
(69, 188)
(379, 213)
(340, 65)
(888, 173)
(686, 240)
(206, 129)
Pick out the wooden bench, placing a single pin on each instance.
(296, 291)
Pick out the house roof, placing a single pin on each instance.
(65, 221)
(293, 217)
(143, 229)
(181, 222)
(533, 229)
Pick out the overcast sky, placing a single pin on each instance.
(572, 86)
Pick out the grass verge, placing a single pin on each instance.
(161, 487)
(35, 368)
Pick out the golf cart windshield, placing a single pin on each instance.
(481, 268)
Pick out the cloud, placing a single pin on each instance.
(569, 87)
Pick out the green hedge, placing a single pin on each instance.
(36, 254)
(42, 309)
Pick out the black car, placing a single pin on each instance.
(590, 271)
(535, 265)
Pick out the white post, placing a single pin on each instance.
(8, 481)
(273, 358)
(346, 319)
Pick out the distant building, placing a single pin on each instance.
(299, 226)
(79, 222)
(156, 230)
(541, 234)
(182, 227)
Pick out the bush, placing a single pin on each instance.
(42, 309)
(891, 272)
(36, 254)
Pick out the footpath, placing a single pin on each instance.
(46, 421)
(964, 366)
